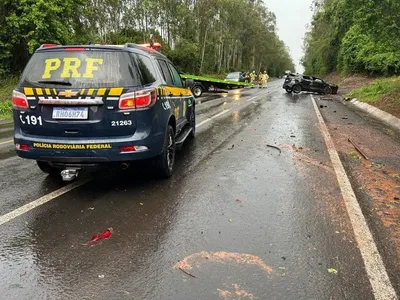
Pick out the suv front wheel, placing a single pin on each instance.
(166, 161)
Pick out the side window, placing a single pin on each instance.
(165, 72)
(176, 78)
(146, 69)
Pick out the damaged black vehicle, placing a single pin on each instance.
(303, 83)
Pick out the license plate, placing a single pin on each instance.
(70, 113)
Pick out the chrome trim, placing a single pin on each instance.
(71, 102)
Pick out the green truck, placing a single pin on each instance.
(201, 84)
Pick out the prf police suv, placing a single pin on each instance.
(80, 106)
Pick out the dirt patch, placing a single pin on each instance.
(376, 177)
(203, 257)
(349, 83)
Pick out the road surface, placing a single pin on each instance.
(239, 219)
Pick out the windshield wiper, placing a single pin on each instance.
(59, 82)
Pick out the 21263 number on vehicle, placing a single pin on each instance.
(121, 123)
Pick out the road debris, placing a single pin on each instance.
(358, 149)
(99, 237)
(344, 118)
(233, 146)
(332, 271)
(275, 147)
(101, 276)
(354, 155)
(187, 273)
(238, 201)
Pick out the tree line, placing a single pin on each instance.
(354, 36)
(200, 36)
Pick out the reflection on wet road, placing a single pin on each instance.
(238, 220)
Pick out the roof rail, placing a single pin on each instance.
(131, 45)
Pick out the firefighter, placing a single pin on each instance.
(263, 79)
(260, 80)
(253, 77)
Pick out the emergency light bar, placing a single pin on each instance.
(154, 45)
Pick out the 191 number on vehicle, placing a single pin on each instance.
(31, 120)
(121, 123)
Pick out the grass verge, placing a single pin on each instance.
(382, 93)
(6, 88)
(379, 89)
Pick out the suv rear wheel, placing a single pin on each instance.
(166, 161)
(193, 123)
(46, 168)
(288, 90)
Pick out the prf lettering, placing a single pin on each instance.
(70, 66)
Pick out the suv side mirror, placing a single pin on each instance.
(188, 83)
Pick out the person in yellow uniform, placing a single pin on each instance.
(265, 79)
(260, 80)
(253, 77)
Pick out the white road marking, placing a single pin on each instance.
(252, 98)
(213, 117)
(6, 142)
(42, 200)
(375, 268)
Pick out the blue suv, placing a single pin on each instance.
(81, 106)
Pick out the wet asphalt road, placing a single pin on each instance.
(246, 220)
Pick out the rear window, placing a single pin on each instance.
(81, 69)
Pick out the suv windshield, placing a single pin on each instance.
(81, 69)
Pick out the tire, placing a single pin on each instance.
(288, 90)
(46, 168)
(192, 122)
(166, 161)
(328, 90)
(197, 91)
(296, 89)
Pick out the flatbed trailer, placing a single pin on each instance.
(203, 84)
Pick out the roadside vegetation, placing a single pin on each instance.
(353, 36)
(357, 37)
(199, 36)
(6, 88)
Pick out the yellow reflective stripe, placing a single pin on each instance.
(55, 92)
(101, 92)
(48, 92)
(115, 92)
(176, 91)
(90, 92)
(39, 91)
(82, 92)
(28, 91)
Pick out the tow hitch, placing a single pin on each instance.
(69, 174)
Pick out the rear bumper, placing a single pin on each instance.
(88, 151)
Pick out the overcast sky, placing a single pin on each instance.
(292, 16)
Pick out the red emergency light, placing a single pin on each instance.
(155, 45)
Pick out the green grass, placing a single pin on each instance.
(377, 90)
(6, 88)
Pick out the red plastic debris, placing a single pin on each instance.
(99, 237)
(238, 201)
